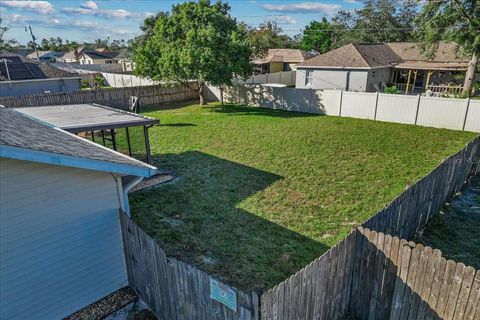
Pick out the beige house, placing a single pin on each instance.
(372, 67)
(278, 60)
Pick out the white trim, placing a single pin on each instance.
(76, 162)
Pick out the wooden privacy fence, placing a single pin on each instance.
(395, 279)
(457, 114)
(112, 97)
(321, 290)
(411, 211)
(174, 289)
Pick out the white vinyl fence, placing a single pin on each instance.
(456, 114)
(283, 77)
(118, 80)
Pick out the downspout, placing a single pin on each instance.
(123, 192)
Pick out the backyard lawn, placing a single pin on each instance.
(260, 193)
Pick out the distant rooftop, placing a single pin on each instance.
(393, 54)
(21, 68)
(284, 55)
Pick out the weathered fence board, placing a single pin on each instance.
(172, 288)
(112, 97)
(319, 291)
(425, 285)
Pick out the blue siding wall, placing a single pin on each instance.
(60, 241)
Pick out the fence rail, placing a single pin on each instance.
(112, 97)
(173, 289)
(457, 114)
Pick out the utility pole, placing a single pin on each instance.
(33, 40)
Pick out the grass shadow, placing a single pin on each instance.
(239, 109)
(198, 219)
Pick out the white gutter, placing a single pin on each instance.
(126, 189)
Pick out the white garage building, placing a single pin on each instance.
(60, 237)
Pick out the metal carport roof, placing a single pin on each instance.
(77, 118)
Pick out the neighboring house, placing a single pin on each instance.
(98, 57)
(278, 60)
(60, 238)
(45, 56)
(371, 67)
(20, 76)
(125, 59)
(71, 56)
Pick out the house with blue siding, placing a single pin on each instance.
(60, 199)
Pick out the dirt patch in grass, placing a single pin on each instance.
(262, 192)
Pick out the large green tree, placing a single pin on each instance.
(318, 36)
(376, 21)
(198, 41)
(268, 35)
(452, 20)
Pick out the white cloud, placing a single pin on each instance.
(351, 1)
(89, 5)
(284, 20)
(42, 7)
(302, 7)
(90, 8)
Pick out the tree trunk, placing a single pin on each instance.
(200, 94)
(470, 75)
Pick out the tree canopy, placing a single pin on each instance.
(197, 41)
(318, 36)
(454, 20)
(268, 35)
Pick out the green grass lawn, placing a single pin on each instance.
(260, 193)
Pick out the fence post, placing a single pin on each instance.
(466, 114)
(340, 108)
(280, 77)
(376, 106)
(418, 107)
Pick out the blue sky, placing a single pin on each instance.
(88, 20)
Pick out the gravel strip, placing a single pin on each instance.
(105, 306)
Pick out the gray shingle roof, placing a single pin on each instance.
(385, 55)
(19, 130)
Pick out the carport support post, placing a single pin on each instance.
(112, 133)
(128, 142)
(147, 144)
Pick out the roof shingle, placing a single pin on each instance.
(19, 130)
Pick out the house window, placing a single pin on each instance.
(309, 77)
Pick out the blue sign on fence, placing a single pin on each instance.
(223, 294)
